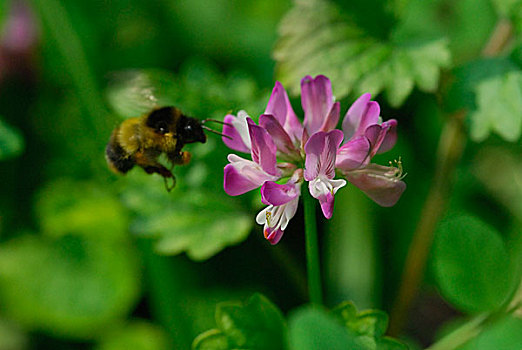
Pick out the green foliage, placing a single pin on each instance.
(11, 141)
(315, 39)
(505, 334)
(499, 102)
(511, 9)
(12, 337)
(506, 185)
(66, 207)
(136, 335)
(71, 287)
(257, 324)
(315, 329)
(368, 325)
(491, 89)
(198, 222)
(260, 325)
(472, 265)
(199, 90)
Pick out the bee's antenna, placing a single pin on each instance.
(216, 132)
(216, 121)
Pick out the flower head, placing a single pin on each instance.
(313, 151)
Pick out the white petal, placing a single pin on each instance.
(241, 125)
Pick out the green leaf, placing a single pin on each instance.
(471, 264)
(508, 8)
(62, 209)
(372, 323)
(257, 324)
(315, 39)
(71, 287)
(137, 335)
(196, 221)
(312, 328)
(499, 106)
(387, 343)
(11, 141)
(368, 325)
(500, 171)
(505, 334)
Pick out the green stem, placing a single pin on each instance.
(312, 250)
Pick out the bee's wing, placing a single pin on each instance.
(133, 93)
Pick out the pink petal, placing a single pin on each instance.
(333, 117)
(279, 106)
(378, 183)
(235, 184)
(234, 140)
(352, 154)
(317, 101)
(378, 134)
(276, 194)
(321, 151)
(279, 136)
(391, 136)
(361, 114)
(243, 175)
(327, 204)
(263, 149)
(273, 236)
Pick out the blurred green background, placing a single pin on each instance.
(89, 260)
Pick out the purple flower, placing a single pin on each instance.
(321, 150)
(282, 201)
(366, 136)
(243, 175)
(311, 151)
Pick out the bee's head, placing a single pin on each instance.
(190, 130)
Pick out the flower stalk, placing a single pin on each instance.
(312, 250)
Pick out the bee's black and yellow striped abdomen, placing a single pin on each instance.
(118, 160)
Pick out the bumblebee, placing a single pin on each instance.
(140, 141)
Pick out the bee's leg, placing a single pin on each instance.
(181, 158)
(158, 169)
(172, 185)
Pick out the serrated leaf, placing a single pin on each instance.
(315, 39)
(499, 107)
(312, 328)
(256, 325)
(11, 141)
(71, 287)
(197, 222)
(372, 323)
(471, 264)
